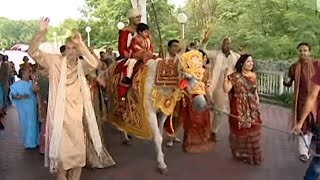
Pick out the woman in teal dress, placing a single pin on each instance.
(24, 100)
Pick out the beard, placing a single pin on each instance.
(304, 57)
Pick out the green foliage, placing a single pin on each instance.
(287, 98)
(104, 15)
(269, 29)
(265, 28)
(12, 32)
(64, 30)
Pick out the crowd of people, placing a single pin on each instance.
(62, 102)
(7, 78)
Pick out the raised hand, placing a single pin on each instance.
(227, 72)
(77, 38)
(206, 36)
(286, 78)
(44, 23)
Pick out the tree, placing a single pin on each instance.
(202, 15)
(265, 28)
(103, 16)
(64, 30)
(12, 32)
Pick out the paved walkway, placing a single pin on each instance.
(137, 162)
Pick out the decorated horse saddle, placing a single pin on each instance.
(167, 73)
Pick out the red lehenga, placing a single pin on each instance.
(245, 131)
(93, 159)
(1, 125)
(41, 79)
(197, 128)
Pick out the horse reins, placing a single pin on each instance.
(291, 135)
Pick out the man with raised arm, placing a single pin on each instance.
(69, 101)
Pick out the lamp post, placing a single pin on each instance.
(120, 25)
(88, 30)
(182, 19)
(54, 39)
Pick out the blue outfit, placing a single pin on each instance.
(27, 111)
(1, 97)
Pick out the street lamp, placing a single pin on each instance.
(120, 25)
(54, 38)
(182, 19)
(88, 30)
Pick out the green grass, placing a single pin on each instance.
(285, 99)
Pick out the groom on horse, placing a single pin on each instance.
(124, 41)
(127, 33)
(134, 47)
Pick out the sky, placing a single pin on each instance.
(56, 10)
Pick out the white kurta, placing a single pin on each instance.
(218, 65)
(72, 151)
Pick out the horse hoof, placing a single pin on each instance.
(126, 142)
(163, 171)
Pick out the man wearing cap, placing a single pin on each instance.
(127, 33)
(125, 37)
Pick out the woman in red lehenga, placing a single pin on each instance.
(41, 84)
(93, 160)
(245, 131)
(197, 128)
(1, 125)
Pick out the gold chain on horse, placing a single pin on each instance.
(291, 135)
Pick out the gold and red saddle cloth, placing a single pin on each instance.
(167, 74)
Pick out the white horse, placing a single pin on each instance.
(191, 70)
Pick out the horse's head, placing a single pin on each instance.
(192, 73)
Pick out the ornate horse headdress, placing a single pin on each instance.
(192, 67)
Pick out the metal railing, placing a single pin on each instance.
(270, 83)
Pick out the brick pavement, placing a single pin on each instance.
(137, 162)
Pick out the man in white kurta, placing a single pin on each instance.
(69, 101)
(221, 61)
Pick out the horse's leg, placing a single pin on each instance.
(211, 111)
(157, 138)
(126, 140)
(162, 119)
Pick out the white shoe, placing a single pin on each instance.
(304, 157)
(170, 143)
